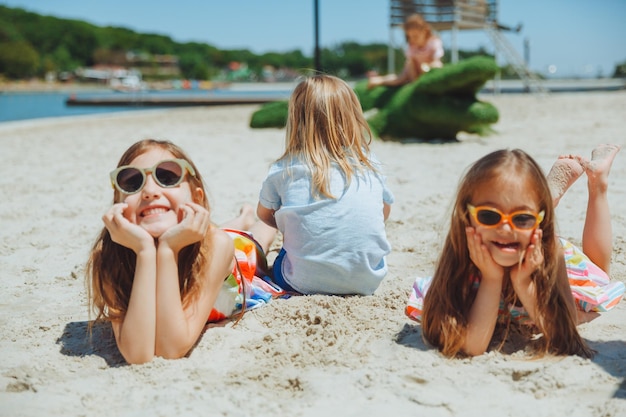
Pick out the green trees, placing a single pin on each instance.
(18, 59)
(194, 67)
(33, 45)
(350, 59)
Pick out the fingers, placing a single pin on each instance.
(194, 223)
(480, 256)
(478, 251)
(534, 252)
(473, 242)
(114, 217)
(123, 231)
(533, 258)
(195, 217)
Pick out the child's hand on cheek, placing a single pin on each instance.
(123, 232)
(479, 254)
(533, 258)
(194, 222)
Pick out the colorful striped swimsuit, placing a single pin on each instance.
(247, 287)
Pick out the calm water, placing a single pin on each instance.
(24, 106)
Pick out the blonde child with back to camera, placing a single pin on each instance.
(160, 269)
(327, 195)
(502, 262)
(424, 51)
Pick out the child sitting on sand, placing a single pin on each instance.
(327, 195)
(502, 261)
(159, 269)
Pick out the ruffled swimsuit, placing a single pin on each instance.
(248, 286)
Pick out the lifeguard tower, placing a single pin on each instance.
(457, 15)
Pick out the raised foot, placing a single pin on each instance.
(565, 171)
(599, 167)
(601, 159)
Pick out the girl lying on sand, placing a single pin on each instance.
(502, 260)
(159, 269)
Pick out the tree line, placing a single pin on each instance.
(33, 45)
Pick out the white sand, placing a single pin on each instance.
(306, 356)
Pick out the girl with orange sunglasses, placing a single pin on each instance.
(503, 265)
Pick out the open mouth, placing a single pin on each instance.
(507, 245)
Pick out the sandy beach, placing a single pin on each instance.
(303, 356)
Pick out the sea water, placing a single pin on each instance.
(33, 105)
(24, 106)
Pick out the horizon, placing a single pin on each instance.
(579, 38)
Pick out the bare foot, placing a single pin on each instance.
(598, 168)
(247, 215)
(244, 221)
(565, 171)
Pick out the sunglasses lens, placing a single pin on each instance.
(524, 221)
(169, 173)
(130, 180)
(488, 217)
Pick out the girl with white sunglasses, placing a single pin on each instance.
(160, 269)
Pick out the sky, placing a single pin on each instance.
(566, 38)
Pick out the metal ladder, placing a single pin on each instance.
(531, 81)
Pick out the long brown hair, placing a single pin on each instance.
(451, 296)
(326, 125)
(111, 267)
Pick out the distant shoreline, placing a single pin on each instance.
(555, 85)
(40, 86)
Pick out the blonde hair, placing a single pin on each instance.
(417, 22)
(326, 125)
(450, 296)
(111, 267)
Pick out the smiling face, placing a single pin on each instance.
(508, 194)
(156, 208)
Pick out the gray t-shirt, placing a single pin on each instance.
(333, 246)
